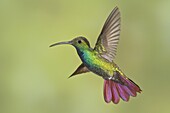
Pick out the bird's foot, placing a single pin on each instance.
(115, 78)
(111, 78)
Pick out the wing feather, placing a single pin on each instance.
(81, 69)
(108, 39)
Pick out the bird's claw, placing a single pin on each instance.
(115, 78)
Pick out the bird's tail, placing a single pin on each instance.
(113, 91)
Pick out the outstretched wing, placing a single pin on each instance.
(81, 69)
(108, 39)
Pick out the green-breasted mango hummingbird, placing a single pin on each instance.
(100, 60)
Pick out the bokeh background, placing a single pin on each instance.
(33, 77)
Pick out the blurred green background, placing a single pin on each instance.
(33, 77)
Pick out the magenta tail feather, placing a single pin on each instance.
(113, 91)
(107, 91)
(122, 92)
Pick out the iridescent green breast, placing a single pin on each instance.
(97, 64)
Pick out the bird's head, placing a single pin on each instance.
(78, 43)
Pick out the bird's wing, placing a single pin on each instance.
(81, 69)
(108, 39)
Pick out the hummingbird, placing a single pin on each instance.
(99, 60)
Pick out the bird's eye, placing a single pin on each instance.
(79, 41)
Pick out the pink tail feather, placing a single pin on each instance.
(113, 91)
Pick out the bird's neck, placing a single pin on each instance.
(84, 53)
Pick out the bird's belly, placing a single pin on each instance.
(99, 67)
(97, 64)
(99, 71)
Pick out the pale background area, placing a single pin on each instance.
(33, 77)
